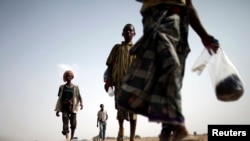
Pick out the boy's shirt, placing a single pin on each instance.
(102, 115)
(120, 60)
(76, 98)
(67, 93)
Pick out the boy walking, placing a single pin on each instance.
(102, 117)
(118, 62)
(68, 102)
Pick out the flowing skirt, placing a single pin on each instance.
(153, 83)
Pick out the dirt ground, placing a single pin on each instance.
(192, 138)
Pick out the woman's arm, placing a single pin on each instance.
(194, 21)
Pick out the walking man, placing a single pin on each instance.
(102, 118)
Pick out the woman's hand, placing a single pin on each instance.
(210, 43)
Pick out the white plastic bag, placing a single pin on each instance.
(201, 62)
(225, 78)
(110, 91)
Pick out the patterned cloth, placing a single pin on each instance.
(120, 60)
(153, 83)
(76, 99)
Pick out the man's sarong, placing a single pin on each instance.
(153, 83)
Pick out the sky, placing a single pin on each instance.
(40, 39)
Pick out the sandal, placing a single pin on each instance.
(120, 135)
(179, 133)
(166, 133)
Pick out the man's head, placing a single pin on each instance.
(68, 75)
(101, 106)
(128, 32)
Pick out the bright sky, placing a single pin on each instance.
(39, 39)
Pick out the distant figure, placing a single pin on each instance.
(152, 86)
(102, 117)
(118, 63)
(68, 102)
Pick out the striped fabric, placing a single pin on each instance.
(120, 60)
(153, 83)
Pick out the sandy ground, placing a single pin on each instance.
(192, 138)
